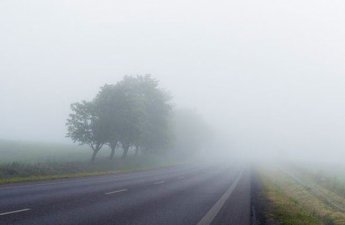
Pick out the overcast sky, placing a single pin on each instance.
(270, 74)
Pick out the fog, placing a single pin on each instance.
(268, 76)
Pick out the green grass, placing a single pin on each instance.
(283, 209)
(291, 202)
(33, 152)
(125, 169)
(333, 180)
(29, 161)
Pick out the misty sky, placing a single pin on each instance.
(270, 74)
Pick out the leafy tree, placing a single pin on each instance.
(85, 126)
(150, 110)
(156, 130)
(133, 112)
(121, 107)
(109, 103)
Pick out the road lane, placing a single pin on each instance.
(174, 201)
(236, 210)
(12, 195)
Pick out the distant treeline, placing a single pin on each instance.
(134, 113)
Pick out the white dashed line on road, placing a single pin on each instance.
(13, 212)
(115, 192)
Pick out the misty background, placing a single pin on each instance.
(267, 75)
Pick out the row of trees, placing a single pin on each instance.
(135, 112)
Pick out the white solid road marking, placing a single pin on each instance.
(159, 182)
(13, 212)
(115, 192)
(212, 213)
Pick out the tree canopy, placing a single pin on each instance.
(134, 112)
(86, 126)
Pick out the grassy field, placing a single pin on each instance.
(28, 161)
(299, 199)
(330, 177)
(282, 208)
(33, 152)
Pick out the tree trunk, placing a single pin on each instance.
(112, 153)
(95, 149)
(94, 155)
(125, 151)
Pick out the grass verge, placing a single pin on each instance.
(288, 202)
(72, 175)
(282, 209)
(19, 172)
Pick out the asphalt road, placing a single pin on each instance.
(183, 195)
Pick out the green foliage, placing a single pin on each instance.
(155, 113)
(280, 208)
(87, 126)
(133, 112)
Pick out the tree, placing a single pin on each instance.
(133, 112)
(156, 132)
(151, 108)
(120, 106)
(85, 126)
(109, 103)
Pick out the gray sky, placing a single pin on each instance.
(270, 74)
